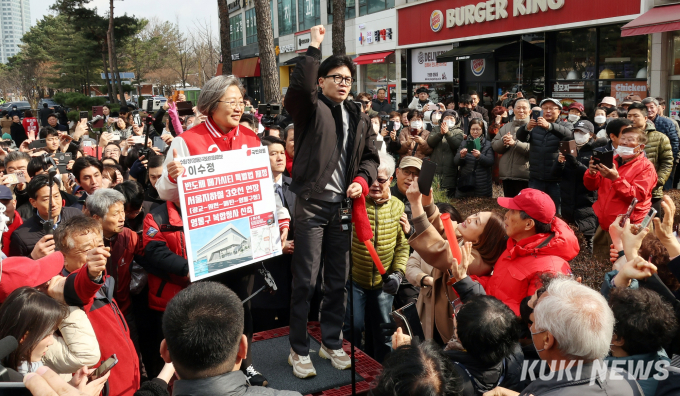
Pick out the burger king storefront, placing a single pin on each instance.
(567, 49)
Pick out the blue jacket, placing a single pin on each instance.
(666, 126)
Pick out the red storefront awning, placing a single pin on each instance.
(656, 20)
(378, 57)
(246, 67)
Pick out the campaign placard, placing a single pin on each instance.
(228, 210)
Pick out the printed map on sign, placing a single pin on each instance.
(228, 211)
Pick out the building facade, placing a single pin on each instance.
(16, 20)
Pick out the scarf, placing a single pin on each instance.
(289, 164)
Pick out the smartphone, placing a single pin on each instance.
(536, 113)
(568, 147)
(115, 136)
(104, 368)
(426, 177)
(248, 109)
(11, 179)
(63, 159)
(136, 118)
(185, 108)
(138, 139)
(378, 145)
(21, 178)
(626, 216)
(84, 114)
(605, 158)
(647, 219)
(390, 126)
(38, 143)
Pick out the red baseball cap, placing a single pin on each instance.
(22, 271)
(537, 204)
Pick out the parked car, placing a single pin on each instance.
(21, 106)
(50, 103)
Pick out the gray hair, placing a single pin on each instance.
(16, 156)
(577, 316)
(649, 100)
(101, 200)
(212, 92)
(522, 101)
(387, 164)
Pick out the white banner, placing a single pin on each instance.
(424, 66)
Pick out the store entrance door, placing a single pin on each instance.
(486, 91)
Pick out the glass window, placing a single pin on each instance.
(350, 10)
(310, 14)
(371, 6)
(575, 54)
(287, 17)
(251, 27)
(675, 67)
(621, 57)
(236, 31)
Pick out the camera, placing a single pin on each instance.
(385, 117)
(269, 113)
(345, 214)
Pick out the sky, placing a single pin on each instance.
(187, 12)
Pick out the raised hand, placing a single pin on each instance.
(175, 168)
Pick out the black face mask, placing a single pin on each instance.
(504, 120)
(464, 111)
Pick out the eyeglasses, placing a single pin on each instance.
(407, 172)
(340, 79)
(456, 304)
(365, 102)
(234, 104)
(383, 181)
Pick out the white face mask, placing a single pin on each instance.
(626, 152)
(510, 112)
(600, 119)
(397, 125)
(574, 117)
(416, 124)
(581, 138)
(450, 123)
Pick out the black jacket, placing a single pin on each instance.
(577, 200)
(18, 133)
(573, 385)
(24, 238)
(479, 377)
(316, 135)
(480, 166)
(44, 113)
(384, 106)
(544, 145)
(483, 111)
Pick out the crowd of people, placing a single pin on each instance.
(95, 259)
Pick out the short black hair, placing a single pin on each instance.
(47, 131)
(644, 320)
(133, 192)
(615, 126)
(473, 92)
(34, 166)
(621, 112)
(415, 113)
(249, 119)
(541, 228)
(55, 115)
(45, 105)
(418, 369)
(269, 140)
(465, 99)
(487, 329)
(39, 182)
(203, 325)
(285, 132)
(123, 110)
(156, 161)
(335, 61)
(85, 162)
(381, 89)
(638, 106)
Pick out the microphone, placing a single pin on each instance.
(7, 345)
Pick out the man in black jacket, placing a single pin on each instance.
(44, 113)
(545, 134)
(380, 103)
(476, 107)
(335, 159)
(30, 240)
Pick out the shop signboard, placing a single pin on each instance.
(424, 66)
(228, 210)
(621, 89)
(674, 109)
(376, 32)
(442, 20)
(568, 93)
(302, 41)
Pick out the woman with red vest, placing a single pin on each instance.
(221, 99)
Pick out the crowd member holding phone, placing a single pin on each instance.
(413, 140)
(475, 158)
(513, 165)
(421, 101)
(544, 131)
(445, 140)
(325, 122)
(632, 176)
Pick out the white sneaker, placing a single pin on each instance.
(302, 365)
(339, 359)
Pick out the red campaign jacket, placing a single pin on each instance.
(208, 138)
(18, 221)
(165, 254)
(636, 179)
(124, 246)
(110, 327)
(517, 271)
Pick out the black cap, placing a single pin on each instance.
(584, 126)
(422, 89)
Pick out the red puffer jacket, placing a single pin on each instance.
(517, 271)
(165, 255)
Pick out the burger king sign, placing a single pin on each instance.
(436, 21)
(478, 66)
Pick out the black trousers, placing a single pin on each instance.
(318, 231)
(512, 187)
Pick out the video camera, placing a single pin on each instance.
(151, 105)
(269, 113)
